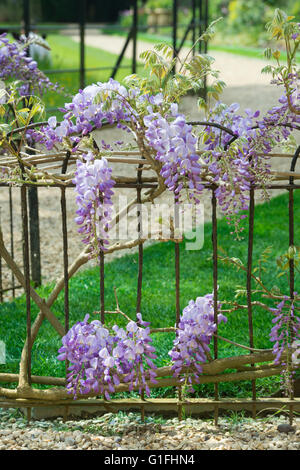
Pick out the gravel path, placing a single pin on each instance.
(126, 432)
(242, 75)
(235, 70)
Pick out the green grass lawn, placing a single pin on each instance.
(158, 301)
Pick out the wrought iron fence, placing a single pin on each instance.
(214, 372)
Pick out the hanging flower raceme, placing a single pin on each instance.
(16, 64)
(239, 158)
(90, 109)
(93, 186)
(285, 335)
(227, 117)
(286, 328)
(194, 334)
(98, 358)
(175, 145)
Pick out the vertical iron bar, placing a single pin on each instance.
(102, 304)
(291, 242)
(11, 238)
(82, 19)
(206, 16)
(65, 413)
(215, 288)
(141, 248)
(193, 25)
(249, 283)
(177, 281)
(140, 279)
(35, 252)
(140, 258)
(177, 294)
(28, 414)
(134, 35)
(143, 407)
(291, 279)
(291, 260)
(177, 263)
(179, 405)
(200, 25)
(65, 261)
(65, 255)
(174, 31)
(26, 17)
(26, 275)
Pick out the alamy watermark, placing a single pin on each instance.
(159, 221)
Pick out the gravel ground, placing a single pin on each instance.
(126, 432)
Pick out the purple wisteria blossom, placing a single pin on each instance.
(285, 335)
(175, 144)
(15, 64)
(191, 345)
(93, 186)
(286, 322)
(99, 358)
(245, 162)
(95, 105)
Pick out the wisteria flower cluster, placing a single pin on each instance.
(16, 64)
(93, 186)
(175, 145)
(286, 323)
(239, 158)
(285, 335)
(90, 108)
(191, 345)
(100, 359)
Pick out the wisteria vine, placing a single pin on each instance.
(229, 152)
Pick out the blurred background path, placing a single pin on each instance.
(242, 75)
